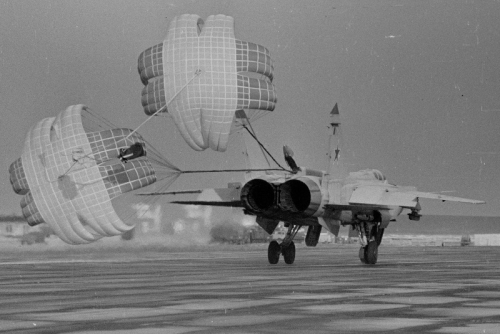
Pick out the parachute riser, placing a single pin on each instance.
(264, 148)
(233, 170)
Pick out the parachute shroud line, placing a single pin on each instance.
(196, 74)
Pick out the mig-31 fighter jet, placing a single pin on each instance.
(303, 197)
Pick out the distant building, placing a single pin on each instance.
(485, 239)
(16, 227)
(13, 226)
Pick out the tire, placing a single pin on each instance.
(380, 234)
(362, 255)
(371, 252)
(273, 252)
(289, 253)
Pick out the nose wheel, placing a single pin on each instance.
(369, 253)
(370, 238)
(362, 254)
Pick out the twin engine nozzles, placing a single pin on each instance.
(300, 195)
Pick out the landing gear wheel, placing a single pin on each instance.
(289, 253)
(273, 252)
(371, 252)
(362, 254)
(379, 235)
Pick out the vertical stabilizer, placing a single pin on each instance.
(255, 157)
(336, 164)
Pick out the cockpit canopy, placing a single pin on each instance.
(368, 174)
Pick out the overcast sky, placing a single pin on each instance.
(417, 83)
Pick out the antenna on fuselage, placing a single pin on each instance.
(288, 154)
(335, 118)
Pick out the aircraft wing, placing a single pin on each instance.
(398, 196)
(443, 198)
(355, 207)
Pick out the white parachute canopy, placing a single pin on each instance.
(200, 74)
(69, 176)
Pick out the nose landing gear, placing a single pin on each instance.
(369, 254)
(370, 238)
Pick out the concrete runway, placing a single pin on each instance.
(233, 289)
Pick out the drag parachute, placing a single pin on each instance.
(69, 176)
(201, 75)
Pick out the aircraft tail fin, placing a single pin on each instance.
(336, 163)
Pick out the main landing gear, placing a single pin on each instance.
(286, 248)
(370, 237)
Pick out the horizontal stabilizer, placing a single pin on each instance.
(237, 204)
(227, 197)
(180, 192)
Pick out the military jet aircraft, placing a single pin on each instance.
(301, 197)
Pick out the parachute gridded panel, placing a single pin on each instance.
(204, 108)
(18, 178)
(63, 183)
